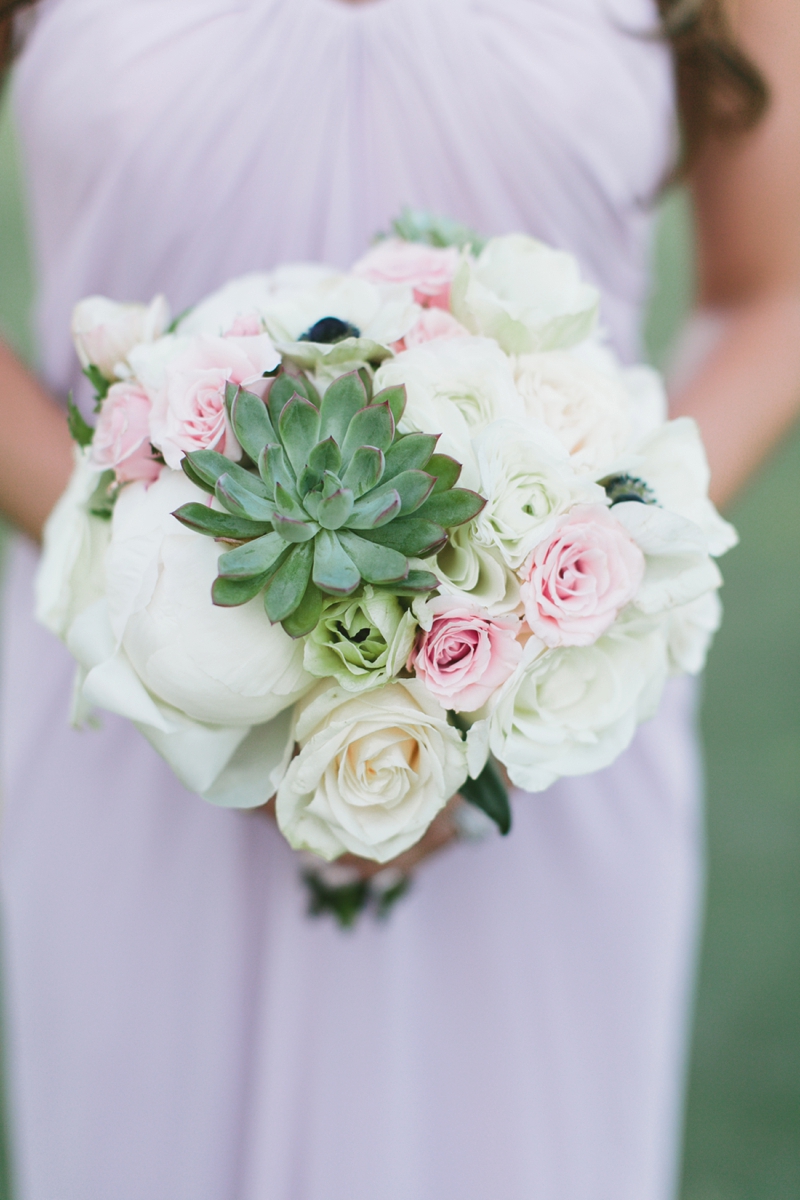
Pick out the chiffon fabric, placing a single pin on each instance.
(177, 1028)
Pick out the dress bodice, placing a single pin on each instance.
(169, 147)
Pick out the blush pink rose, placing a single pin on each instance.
(576, 581)
(245, 325)
(466, 654)
(433, 325)
(122, 435)
(189, 411)
(428, 270)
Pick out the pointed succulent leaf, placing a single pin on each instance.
(364, 470)
(240, 501)
(413, 488)
(308, 479)
(325, 456)
(334, 510)
(330, 484)
(208, 466)
(292, 530)
(254, 558)
(416, 583)
(375, 510)
(395, 397)
(198, 480)
(286, 504)
(228, 593)
(452, 508)
(307, 614)
(288, 585)
(412, 536)
(340, 404)
(299, 431)
(377, 564)
(409, 453)
(371, 426)
(280, 393)
(219, 525)
(445, 470)
(306, 388)
(311, 503)
(365, 375)
(251, 423)
(334, 571)
(274, 469)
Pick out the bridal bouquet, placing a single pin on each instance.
(350, 537)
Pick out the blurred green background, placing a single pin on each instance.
(743, 1121)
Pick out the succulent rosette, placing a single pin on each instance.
(356, 537)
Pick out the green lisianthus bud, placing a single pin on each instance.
(361, 640)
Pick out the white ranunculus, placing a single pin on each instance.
(673, 462)
(690, 630)
(371, 773)
(468, 570)
(571, 711)
(105, 332)
(678, 568)
(70, 576)
(455, 387)
(529, 482)
(525, 295)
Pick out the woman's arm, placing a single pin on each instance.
(747, 202)
(35, 449)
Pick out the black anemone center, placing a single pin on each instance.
(329, 330)
(620, 488)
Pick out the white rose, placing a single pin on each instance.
(105, 332)
(525, 295)
(70, 575)
(573, 710)
(690, 630)
(372, 771)
(529, 482)
(454, 387)
(470, 571)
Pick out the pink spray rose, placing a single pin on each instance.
(466, 654)
(245, 325)
(576, 581)
(189, 410)
(122, 435)
(433, 325)
(429, 270)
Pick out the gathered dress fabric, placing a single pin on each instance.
(177, 1027)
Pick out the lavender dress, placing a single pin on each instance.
(177, 1028)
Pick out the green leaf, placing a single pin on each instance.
(280, 393)
(288, 585)
(241, 501)
(325, 456)
(364, 470)
(305, 617)
(251, 424)
(104, 497)
(411, 452)
(334, 571)
(377, 564)
(341, 402)
(306, 388)
(334, 510)
(416, 583)
(412, 536)
(79, 430)
(371, 426)
(344, 902)
(445, 470)
(413, 488)
(219, 525)
(395, 397)
(286, 504)
(99, 382)
(452, 508)
(365, 375)
(374, 510)
(292, 530)
(254, 558)
(488, 793)
(274, 469)
(299, 431)
(418, 225)
(228, 593)
(208, 466)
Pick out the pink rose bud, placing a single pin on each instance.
(428, 270)
(247, 325)
(122, 435)
(189, 412)
(576, 581)
(466, 654)
(433, 325)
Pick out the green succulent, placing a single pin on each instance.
(336, 497)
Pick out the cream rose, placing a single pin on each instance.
(371, 773)
(105, 332)
(476, 573)
(525, 295)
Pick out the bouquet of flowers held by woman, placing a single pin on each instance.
(351, 539)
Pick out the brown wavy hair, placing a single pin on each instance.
(720, 91)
